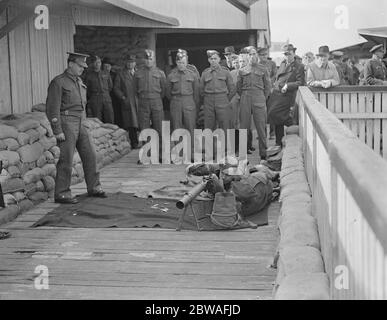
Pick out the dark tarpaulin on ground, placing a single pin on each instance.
(122, 210)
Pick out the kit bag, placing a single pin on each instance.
(224, 213)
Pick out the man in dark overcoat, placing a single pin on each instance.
(289, 77)
(124, 89)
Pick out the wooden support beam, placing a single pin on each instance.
(3, 5)
(239, 5)
(18, 20)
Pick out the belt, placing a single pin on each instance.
(72, 113)
(150, 96)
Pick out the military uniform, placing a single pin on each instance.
(150, 83)
(99, 103)
(342, 70)
(254, 86)
(375, 72)
(65, 109)
(217, 89)
(183, 92)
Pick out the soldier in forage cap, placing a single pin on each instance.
(191, 67)
(254, 87)
(217, 89)
(150, 84)
(65, 109)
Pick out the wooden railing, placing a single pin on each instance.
(363, 109)
(348, 183)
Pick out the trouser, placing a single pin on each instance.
(234, 104)
(183, 113)
(252, 105)
(133, 136)
(150, 110)
(217, 110)
(101, 107)
(279, 134)
(76, 137)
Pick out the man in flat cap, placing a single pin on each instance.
(217, 89)
(322, 72)
(227, 61)
(254, 87)
(65, 109)
(289, 77)
(99, 85)
(125, 91)
(375, 72)
(341, 67)
(150, 84)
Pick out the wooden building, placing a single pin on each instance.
(30, 58)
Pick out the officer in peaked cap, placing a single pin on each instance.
(217, 89)
(375, 72)
(65, 109)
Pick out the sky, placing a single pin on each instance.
(309, 24)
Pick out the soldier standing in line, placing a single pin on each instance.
(183, 92)
(150, 84)
(65, 109)
(254, 87)
(217, 89)
(124, 89)
(190, 67)
(375, 72)
(99, 85)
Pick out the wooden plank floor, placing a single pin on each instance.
(136, 263)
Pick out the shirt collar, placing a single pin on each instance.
(71, 76)
(215, 68)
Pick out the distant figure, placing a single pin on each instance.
(353, 72)
(341, 67)
(235, 100)
(375, 72)
(321, 72)
(190, 67)
(99, 85)
(110, 68)
(125, 90)
(269, 64)
(227, 62)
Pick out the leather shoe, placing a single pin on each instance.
(67, 200)
(98, 194)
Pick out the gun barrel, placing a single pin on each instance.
(191, 195)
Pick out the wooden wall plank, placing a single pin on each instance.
(384, 126)
(362, 108)
(377, 123)
(369, 123)
(5, 87)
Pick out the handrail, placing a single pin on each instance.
(347, 89)
(363, 171)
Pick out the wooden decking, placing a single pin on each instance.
(136, 263)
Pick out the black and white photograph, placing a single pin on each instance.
(191, 155)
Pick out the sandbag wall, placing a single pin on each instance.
(29, 154)
(301, 274)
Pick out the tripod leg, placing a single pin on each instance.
(181, 220)
(196, 219)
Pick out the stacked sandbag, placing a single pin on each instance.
(29, 154)
(27, 147)
(300, 268)
(110, 141)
